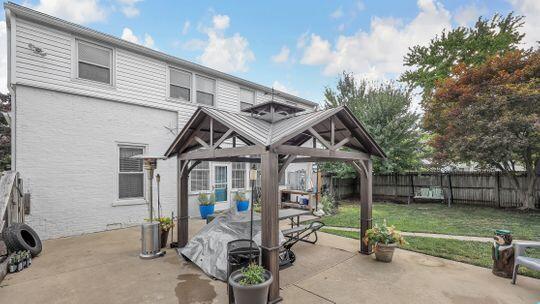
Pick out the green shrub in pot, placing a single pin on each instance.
(251, 284)
(384, 240)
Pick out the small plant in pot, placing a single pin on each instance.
(165, 224)
(251, 284)
(206, 204)
(242, 204)
(384, 240)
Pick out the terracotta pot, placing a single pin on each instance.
(384, 253)
(250, 294)
(164, 237)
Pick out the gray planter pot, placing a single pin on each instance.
(384, 253)
(251, 294)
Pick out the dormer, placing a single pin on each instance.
(272, 111)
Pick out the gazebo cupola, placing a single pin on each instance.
(272, 111)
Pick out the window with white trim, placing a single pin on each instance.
(200, 177)
(130, 172)
(179, 84)
(206, 90)
(247, 98)
(238, 175)
(94, 62)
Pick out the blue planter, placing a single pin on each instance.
(242, 205)
(206, 210)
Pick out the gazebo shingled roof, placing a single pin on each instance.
(275, 142)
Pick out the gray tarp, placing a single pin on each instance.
(208, 248)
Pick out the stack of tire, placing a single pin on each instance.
(19, 236)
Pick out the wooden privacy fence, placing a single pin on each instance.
(492, 189)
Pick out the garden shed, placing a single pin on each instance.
(274, 135)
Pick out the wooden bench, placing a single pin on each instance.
(428, 194)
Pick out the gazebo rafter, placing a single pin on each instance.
(274, 135)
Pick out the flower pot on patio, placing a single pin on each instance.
(385, 240)
(164, 236)
(384, 253)
(242, 204)
(245, 292)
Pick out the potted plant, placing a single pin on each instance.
(384, 240)
(251, 284)
(206, 204)
(242, 204)
(166, 224)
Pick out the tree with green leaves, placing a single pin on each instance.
(490, 115)
(385, 110)
(5, 133)
(469, 46)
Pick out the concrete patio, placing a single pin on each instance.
(105, 268)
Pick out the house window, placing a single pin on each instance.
(297, 180)
(206, 89)
(200, 177)
(94, 62)
(180, 85)
(238, 175)
(130, 175)
(247, 98)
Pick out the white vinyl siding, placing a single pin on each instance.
(206, 90)
(200, 177)
(130, 173)
(238, 175)
(94, 62)
(180, 84)
(247, 98)
(135, 78)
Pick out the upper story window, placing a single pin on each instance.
(180, 84)
(206, 90)
(94, 62)
(247, 98)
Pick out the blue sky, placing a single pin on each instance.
(296, 46)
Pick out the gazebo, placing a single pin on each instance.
(274, 135)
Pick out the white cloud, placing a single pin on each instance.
(467, 15)
(531, 10)
(282, 56)
(338, 13)
(377, 53)
(3, 57)
(227, 54)
(221, 22)
(186, 27)
(82, 11)
(128, 8)
(283, 88)
(127, 34)
(317, 52)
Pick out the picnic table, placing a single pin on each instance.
(292, 214)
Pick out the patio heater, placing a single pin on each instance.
(150, 238)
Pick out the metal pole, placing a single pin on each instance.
(149, 191)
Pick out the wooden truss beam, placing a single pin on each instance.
(210, 154)
(321, 153)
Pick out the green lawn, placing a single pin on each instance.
(475, 253)
(438, 218)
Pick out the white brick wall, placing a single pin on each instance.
(66, 151)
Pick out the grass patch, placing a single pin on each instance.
(438, 218)
(470, 252)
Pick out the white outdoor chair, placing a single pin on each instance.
(521, 259)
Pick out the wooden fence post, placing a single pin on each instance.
(450, 189)
(498, 181)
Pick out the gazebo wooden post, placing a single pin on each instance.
(270, 220)
(366, 201)
(182, 197)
